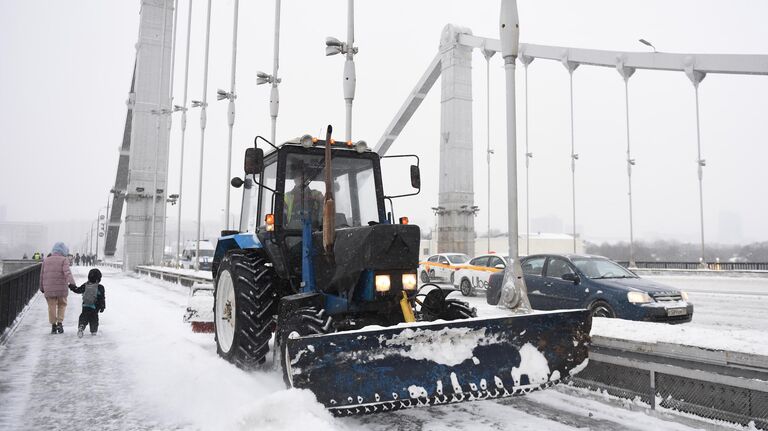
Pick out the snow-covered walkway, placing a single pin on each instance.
(146, 370)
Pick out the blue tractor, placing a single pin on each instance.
(320, 266)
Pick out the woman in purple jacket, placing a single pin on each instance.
(55, 278)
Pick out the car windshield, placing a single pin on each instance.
(601, 268)
(354, 190)
(457, 258)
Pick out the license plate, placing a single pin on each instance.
(677, 311)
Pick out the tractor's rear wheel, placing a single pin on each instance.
(245, 301)
(303, 321)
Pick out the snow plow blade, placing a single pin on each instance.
(433, 363)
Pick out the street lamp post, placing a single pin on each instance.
(527, 60)
(183, 110)
(90, 240)
(488, 54)
(265, 78)
(203, 119)
(334, 46)
(696, 77)
(571, 66)
(626, 73)
(509, 34)
(231, 96)
(99, 231)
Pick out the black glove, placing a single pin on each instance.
(72, 287)
(101, 310)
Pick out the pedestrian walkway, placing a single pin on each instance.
(144, 370)
(58, 381)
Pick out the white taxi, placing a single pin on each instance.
(441, 266)
(475, 274)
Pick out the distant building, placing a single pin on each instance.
(19, 238)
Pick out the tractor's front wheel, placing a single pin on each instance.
(245, 301)
(303, 321)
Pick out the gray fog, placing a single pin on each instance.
(65, 71)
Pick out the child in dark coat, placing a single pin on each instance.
(94, 302)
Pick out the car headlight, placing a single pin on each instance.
(383, 283)
(639, 297)
(409, 281)
(684, 295)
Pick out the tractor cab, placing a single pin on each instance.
(291, 186)
(284, 207)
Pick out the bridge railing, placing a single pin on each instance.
(174, 276)
(719, 385)
(16, 289)
(713, 266)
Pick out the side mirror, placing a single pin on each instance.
(254, 160)
(415, 177)
(236, 182)
(500, 266)
(571, 277)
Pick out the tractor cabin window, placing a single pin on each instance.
(354, 191)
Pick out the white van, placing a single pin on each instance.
(206, 255)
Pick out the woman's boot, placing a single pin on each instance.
(60, 328)
(54, 329)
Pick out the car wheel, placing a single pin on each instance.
(466, 287)
(424, 277)
(602, 309)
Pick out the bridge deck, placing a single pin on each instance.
(146, 370)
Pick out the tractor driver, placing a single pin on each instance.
(313, 199)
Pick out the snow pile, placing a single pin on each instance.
(295, 409)
(448, 346)
(532, 364)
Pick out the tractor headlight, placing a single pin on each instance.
(639, 297)
(684, 295)
(383, 283)
(409, 281)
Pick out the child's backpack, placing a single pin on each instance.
(90, 294)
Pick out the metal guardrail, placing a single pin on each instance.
(712, 266)
(16, 289)
(720, 385)
(115, 265)
(170, 275)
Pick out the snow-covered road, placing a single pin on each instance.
(729, 314)
(146, 370)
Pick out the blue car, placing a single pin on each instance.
(600, 285)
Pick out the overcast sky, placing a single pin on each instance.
(65, 70)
